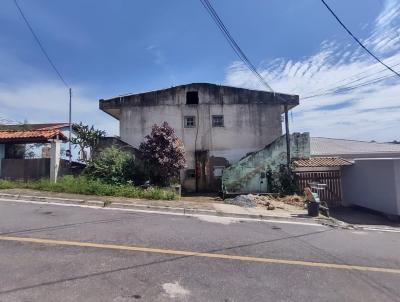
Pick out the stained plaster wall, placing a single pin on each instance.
(247, 126)
(247, 175)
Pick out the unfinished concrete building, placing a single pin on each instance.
(218, 124)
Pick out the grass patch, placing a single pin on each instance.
(87, 186)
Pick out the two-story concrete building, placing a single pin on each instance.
(218, 124)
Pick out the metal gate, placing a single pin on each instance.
(332, 194)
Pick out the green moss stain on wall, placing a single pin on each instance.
(248, 174)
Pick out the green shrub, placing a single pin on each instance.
(112, 166)
(90, 186)
(5, 184)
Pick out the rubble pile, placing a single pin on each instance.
(246, 201)
(294, 200)
(268, 201)
(251, 201)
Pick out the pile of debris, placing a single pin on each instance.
(246, 201)
(268, 201)
(294, 200)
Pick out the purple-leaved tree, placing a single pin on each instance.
(163, 154)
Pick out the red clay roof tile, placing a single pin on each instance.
(9, 135)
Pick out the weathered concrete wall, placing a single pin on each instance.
(249, 174)
(374, 184)
(247, 126)
(176, 96)
(107, 142)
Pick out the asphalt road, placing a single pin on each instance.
(64, 253)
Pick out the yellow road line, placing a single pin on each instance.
(200, 254)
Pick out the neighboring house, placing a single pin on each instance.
(354, 172)
(351, 149)
(322, 170)
(373, 183)
(32, 151)
(42, 149)
(218, 124)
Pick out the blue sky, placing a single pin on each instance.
(107, 48)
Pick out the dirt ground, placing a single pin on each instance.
(204, 197)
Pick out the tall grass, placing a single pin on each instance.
(87, 186)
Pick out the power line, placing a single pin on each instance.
(232, 42)
(236, 48)
(358, 41)
(57, 72)
(5, 120)
(40, 44)
(323, 91)
(350, 88)
(351, 77)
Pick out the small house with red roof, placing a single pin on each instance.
(18, 161)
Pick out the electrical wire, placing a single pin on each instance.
(35, 36)
(350, 82)
(358, 41)
(345, 86)
(361, 73)
(4, 120)
(316, 92)
(350, 88)
(236, 48)
(40, 44)
(252, 68)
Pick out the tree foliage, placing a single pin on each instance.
(112, 166)
(86, 138)
(163, 154)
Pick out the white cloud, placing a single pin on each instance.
(48, 101)
(386, 35)
(26, 93)
(369, 112)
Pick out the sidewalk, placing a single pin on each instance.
(201, 206)
(218, 208)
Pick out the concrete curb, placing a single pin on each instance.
(57, 199)
(180, 210)
(330, 222)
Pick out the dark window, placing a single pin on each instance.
(218, 121)
(190, 121)
(190, 173)
(192, 97)
(218, 170)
